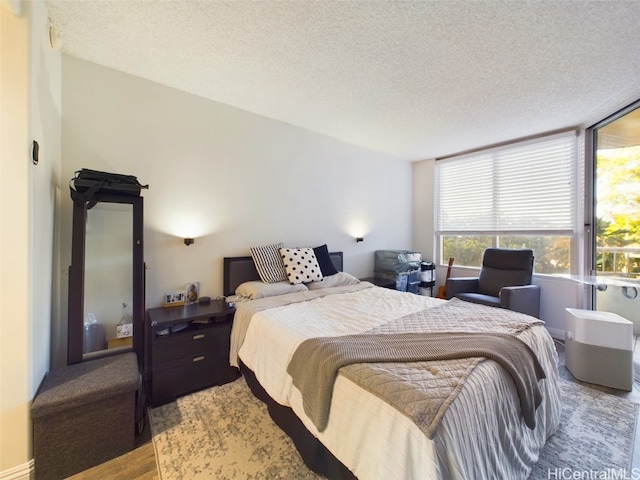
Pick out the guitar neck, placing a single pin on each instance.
(449, 269)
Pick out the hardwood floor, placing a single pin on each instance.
(141, 462)
(137, 464)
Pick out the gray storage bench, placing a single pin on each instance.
(84, 415)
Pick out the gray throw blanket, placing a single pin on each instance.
(315, 363)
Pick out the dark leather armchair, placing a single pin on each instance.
(504, 281)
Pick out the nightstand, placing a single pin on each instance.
(188, 349)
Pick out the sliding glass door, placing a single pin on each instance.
(613, 146)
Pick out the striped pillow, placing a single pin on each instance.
(268, 263)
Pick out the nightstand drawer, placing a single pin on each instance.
(189, 376)
(187, 360)
(191, 343)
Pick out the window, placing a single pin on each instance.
(612, 240)
(616, 205)
(521, 195)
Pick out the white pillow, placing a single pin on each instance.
(269, 263)
(301, 265)
(257, 289)
(338, 280)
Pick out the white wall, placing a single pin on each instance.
(423, 208)
(44, 183)
(227, 177)
(30, 97)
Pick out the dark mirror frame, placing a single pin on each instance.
(75, 325)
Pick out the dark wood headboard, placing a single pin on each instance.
(238, 270)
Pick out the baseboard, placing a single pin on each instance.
(21, 472)
(556, 333)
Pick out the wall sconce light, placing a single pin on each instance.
(188, 241)
(359, 239)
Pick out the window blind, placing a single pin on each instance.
(523, 187)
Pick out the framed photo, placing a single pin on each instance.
(124, 330)
(192, 292)
(174, 298)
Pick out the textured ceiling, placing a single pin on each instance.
(415, 79)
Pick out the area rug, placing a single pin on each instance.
(595, 438)
(222, 433)
(226, 433)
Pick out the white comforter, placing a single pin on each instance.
(481, 436)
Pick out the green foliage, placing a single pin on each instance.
(618, 210)
(551, 253)
(466, 250)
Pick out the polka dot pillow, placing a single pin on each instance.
(301, 265)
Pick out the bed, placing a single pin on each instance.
(478, 430)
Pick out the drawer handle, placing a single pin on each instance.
(199, 336)
(198, 358)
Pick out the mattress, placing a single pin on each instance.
(482, 434)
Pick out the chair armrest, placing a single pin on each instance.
(524, 299)
(460, 285)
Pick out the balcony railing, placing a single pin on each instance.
(618, 261)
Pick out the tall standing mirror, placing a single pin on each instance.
(106, 277)
(108, 283)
